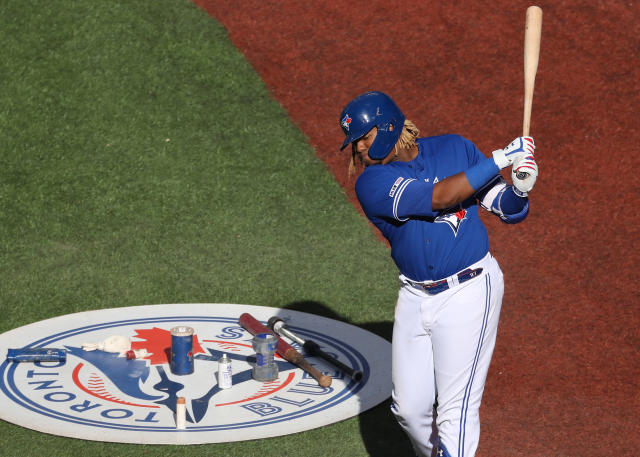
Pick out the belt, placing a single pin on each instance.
(436, 287)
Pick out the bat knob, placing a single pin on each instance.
(325, 381)
(273, 321)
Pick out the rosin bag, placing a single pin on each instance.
(36, 355)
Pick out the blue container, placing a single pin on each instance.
(37, 355)
(181, 350)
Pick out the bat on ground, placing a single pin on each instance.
(532, 37)
(311, 347)
(285, 350)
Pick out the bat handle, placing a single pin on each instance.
(323, 379)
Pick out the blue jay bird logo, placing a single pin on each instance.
(454, 220)
(346, 120)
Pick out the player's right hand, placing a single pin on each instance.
(524, 174)
(520, 147)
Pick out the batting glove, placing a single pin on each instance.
(518, 148)
(524, 174)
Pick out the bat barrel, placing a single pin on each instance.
(532, 37)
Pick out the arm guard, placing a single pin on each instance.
(502, 201)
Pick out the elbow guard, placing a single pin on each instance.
(510, 207)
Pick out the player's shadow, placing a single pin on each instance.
(381, 434)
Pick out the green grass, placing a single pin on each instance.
(143, 161)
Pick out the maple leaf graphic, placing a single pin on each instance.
(158, 342)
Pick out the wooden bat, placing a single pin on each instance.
(532, 37)
(285, 350)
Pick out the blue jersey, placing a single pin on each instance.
(426, 244)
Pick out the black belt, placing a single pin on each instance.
(436, 287)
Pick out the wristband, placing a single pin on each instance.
(520, 193)
(481, 173)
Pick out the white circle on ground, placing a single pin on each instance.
(104, 396)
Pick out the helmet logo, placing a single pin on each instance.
(378, 113)
(346, 120)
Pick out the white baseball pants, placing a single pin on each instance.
(441, 348)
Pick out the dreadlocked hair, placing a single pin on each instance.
(407, 140)
(408, 136)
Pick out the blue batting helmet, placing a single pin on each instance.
(369, 110)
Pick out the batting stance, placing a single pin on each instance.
(423, 194)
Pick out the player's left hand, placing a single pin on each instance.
(517, 149)
(524, 174)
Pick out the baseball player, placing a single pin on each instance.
(423, 194)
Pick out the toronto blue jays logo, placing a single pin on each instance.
(108, 396)
(346, 120)
(453, 219)
(101, 369)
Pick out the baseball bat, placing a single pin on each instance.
(532, 37)
(285, 350)
(311, 347)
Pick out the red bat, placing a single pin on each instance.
(285, 350)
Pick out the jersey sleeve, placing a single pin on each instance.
(386, 194)
(473, 153)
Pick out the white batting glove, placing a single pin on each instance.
(518, 148)
(524, 174)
